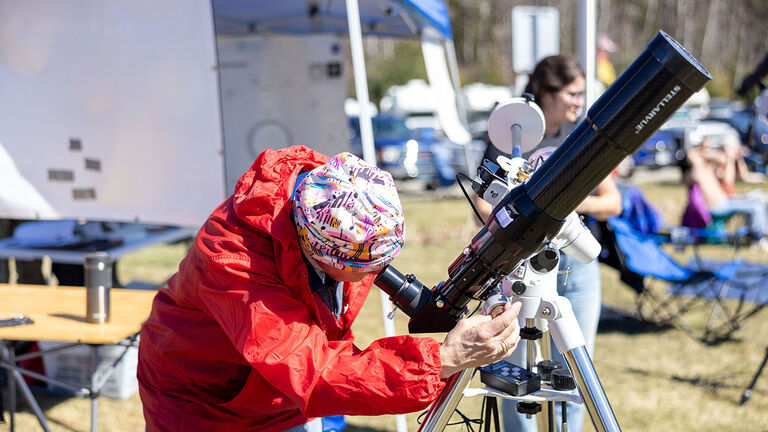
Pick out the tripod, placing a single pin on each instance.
(533, 283)
(748, 392)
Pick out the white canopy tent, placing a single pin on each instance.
(424, 19)
(142, 102)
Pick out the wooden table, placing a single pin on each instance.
(59, 315)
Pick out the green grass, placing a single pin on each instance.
(656, 378)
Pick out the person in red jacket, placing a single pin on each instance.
(253, 332)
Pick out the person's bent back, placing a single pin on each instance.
(253, 332)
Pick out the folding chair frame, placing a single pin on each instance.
(656, 304)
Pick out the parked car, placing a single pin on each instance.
(669, 144)
(659, 150)
(408, 154)
(752, 130)
(753, 133)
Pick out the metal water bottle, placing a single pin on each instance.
(98, 281)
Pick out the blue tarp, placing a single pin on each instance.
(386, 18)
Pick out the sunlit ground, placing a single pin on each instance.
(656, 378)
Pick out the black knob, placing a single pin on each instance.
(518, 287)
(546, 367)
(530, 333)
(528, 408)
(562, 380)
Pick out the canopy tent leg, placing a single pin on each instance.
(366, 136)
(361, 80)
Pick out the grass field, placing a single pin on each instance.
(656, 378)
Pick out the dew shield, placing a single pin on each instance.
(632, 109)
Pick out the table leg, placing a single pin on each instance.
(15, 378)
(94, 390)
(11, 387)
(2, 408)
(31, 400)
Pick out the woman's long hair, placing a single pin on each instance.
(552, 74)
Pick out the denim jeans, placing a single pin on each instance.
(315, 425)
(583, 290)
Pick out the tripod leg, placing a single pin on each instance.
(491, 413)
(564, 418)
(551, 416)
(748, 392)
(570, 343)
(442, 409)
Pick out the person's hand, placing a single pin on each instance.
(480, 340)
(694, 156)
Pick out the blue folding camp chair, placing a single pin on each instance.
(707, 298)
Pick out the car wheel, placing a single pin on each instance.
(433, 184)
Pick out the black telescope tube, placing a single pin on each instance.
(654, 86)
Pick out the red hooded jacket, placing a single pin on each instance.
(238, 342)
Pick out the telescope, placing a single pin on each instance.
(531, 215)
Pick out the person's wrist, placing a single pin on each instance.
(447, 368)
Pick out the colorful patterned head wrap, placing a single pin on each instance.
(348, 215)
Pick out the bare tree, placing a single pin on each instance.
(728, 36)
